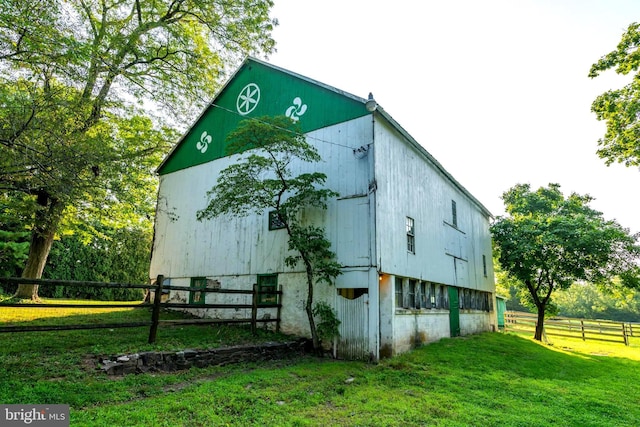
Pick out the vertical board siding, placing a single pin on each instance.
(185, 247)
(353, 343)
(410, 185)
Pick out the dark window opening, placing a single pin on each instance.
(454, 214)
(196, 296)
(275, 222)
(267, 285)
(352, 293)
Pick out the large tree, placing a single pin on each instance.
(82, 86)
(264, 180)
(549, 241)
(620, 108)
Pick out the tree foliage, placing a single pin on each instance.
(264, 180)
(549, 241)
(620, 108)
(79, 83)
(589, 301)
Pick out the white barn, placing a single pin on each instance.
(414, 243)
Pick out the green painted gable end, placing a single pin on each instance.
(258, 89)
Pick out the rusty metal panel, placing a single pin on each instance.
(353, 343)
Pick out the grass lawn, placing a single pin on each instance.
(492, 379)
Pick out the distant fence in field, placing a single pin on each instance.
(585, 329)
(155, 306)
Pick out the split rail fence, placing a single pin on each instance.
(585, 329)
(156, 306)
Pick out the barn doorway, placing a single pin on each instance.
(454, 311)
(352, 309)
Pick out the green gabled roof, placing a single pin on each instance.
(260, 89)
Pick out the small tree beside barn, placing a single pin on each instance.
(549, 241)
(264, 181)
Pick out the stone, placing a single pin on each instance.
(171, 361)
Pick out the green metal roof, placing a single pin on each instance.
(260, 89)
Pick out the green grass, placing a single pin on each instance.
(484, 380)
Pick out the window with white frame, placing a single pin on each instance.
(411, 235)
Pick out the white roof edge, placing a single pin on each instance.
(432, 159)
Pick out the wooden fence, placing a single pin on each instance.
(156, 305)
(585, 329)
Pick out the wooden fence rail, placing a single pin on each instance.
(155, 320)
(585, 329)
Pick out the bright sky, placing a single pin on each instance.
(496, 90)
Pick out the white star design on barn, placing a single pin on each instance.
(248, 99)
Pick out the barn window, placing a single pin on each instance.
(422, 296)
(275, 222)
(432, 295)
(411, 295)
(399, 293)
(443, 300)
(454, 214)
(267, 283)
(484, 265)
(411, 236)
(196, 296)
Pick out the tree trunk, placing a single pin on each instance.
(309, 307)
(540, 323)
(45, 225)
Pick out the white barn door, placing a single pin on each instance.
(353, 343)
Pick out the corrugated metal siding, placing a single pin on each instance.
(353, 343)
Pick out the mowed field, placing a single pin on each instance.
(492, 379)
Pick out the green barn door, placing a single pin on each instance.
(454, 311)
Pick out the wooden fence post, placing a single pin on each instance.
(279, 309)
(624, 334)
(155, 314)
(582, 330)
(254, 308)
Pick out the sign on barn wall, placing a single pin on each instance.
(259, 89)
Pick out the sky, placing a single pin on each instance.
(496, 90)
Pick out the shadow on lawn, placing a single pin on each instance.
(117, 340)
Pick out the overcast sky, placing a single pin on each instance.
(496, 90)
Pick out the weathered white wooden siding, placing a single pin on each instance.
(353, 342)
(234, 251)
(185, 247)
(366, 225)
(409, 185)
